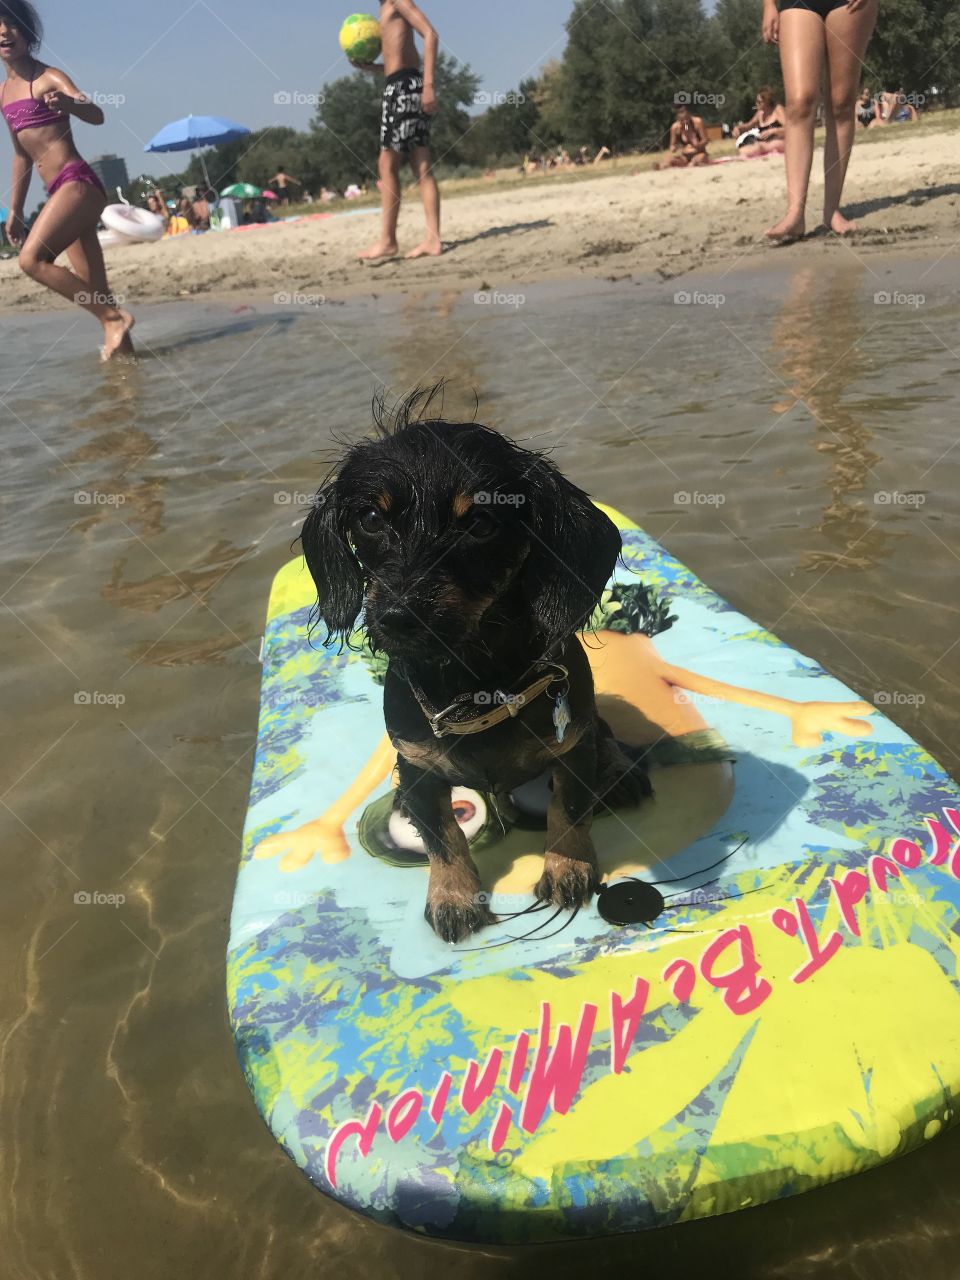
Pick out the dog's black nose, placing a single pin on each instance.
(399, 620)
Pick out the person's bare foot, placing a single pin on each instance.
(116, 335)
(791, 227)
(382, 249)
(432, 247)
(840, 225)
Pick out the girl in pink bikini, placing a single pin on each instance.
(37, 102)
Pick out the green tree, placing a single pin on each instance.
(625, 62)
(346, 126)
(508, 129)
(548, 94)
(916, 46)
(588, 110)
(746, 63)
(346, 129)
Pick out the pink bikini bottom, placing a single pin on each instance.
(75, 171)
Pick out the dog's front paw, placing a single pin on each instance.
(567, 882)
(454, 917)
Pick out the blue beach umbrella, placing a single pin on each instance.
(193, 132)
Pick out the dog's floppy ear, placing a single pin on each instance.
(574, 550)
(335, 570)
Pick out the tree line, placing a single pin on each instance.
(625, 64)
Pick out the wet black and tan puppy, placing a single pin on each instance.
(475, 563)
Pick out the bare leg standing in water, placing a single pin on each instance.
(37, 102)
(822, 44)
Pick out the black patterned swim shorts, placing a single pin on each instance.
(403, 123)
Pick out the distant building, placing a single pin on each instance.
(112, 172)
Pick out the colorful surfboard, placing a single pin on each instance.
(783, 1010)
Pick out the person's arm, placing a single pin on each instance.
(770, 26)
(674, 143)
(19, 186)
(66, 98)
(701, 143)
(431, 46)
(809, 721)
(747, 124)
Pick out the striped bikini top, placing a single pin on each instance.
(27, 113)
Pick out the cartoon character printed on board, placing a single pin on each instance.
(647, 702)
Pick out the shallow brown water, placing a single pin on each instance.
(146, 509)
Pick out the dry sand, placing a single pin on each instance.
(902, 188)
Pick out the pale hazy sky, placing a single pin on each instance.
(230, 57)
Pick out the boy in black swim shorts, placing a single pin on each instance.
(409, 102)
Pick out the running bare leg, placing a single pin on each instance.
(70, 213)
(802, 54)
(86, 258)
(390, 195)
(422, 168)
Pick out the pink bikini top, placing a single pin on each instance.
(27, 113)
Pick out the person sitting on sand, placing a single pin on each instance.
(688, 140)
(866, 109)
(409, 103)
(201, 210)
(893, 108)
(37, 102)
(766, 125)
(156, 204)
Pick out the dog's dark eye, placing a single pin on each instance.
(371, 521)
(480, 525)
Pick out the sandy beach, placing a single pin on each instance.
(609, 223)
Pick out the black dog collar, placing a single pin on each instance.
(507, 705)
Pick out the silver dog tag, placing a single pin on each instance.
(561, 716)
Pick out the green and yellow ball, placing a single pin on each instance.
(360, 38)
